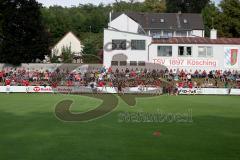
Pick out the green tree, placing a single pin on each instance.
(230, 18)
(54, 59)
(224, 18)
(80, 19)
(210, 16)
(67, 56)
(132, 5)
(92, 46)
(155, 5)
(24, 36)
(186, 6)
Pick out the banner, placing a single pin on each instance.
(75, 89)
(190, 91)
(83, 89)
(235, 92)
(144, 90)
(215, 91)
(186, 62)
(231, 57)
(36, 89)
(202, 91)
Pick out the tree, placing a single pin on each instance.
(210, 16)
(155, 5)
(225, 19)
(230, 24)
(186, 6)
(24, 36)
(54, 59)
(80, 19)
(92, 45)
(67, 56)
(132, 5)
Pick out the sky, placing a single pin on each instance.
(69, 3)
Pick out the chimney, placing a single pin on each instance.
(213, 34)
(110, 16)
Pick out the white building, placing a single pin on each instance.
(127, 42)
(68, 41)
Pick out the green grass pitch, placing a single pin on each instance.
(29, 130)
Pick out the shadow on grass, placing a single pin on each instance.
(110, 102)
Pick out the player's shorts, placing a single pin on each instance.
(27, 88)
(8, 88)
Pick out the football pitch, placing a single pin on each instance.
(210, 130)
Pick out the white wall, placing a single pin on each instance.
(193, 62)
(69, 40)
(133, 55)
(124, 23)
(218, 57)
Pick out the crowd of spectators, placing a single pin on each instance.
(124, 77)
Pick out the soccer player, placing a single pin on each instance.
(26, 84)
(110, 84)
(8, 84)
(119, 86)
(93, 86)
(190, 86)
(102, 85)
(158, 86)
(1, 76)
(141, 87)
(54, 87)
(180, 86)
(69, 84)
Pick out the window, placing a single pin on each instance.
(205, 51)
(164, 51)
(119, 44)
(156, 35)
(181, 33)
(167, 33)
(133, 63)
(114, 63)
(138, 44)
(123, 63)
(141, 63)
(184, 51)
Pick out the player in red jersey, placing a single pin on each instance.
(180, 86)
(110, 84)
(1, 76)
(102, 85)
(8, 84)
(190, 86)
(69, 84)
(26, 83)
(54, 87)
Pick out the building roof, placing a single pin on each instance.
(197, 40)
(70, 32)
(171, 21)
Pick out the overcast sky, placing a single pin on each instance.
(69, 3)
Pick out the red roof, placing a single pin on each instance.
(197, 40)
